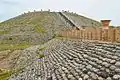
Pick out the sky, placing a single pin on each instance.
(95, 9)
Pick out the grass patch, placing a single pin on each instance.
(13, 46)
(40, 29)
(5, 75)
(41, 55)
(42, 48)
(60, 38)
(3, 32)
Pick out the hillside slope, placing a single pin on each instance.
(38, 27)
(32, 28)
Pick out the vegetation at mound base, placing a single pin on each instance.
(5, 74)
(3, 32)
(60, 38)
(41, 55)
(42, 48)
(13, 46)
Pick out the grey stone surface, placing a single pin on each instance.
(116, 77)
(117, 64)
(68, 60)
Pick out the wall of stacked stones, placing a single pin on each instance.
(108, 35)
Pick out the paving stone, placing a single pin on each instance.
(109, 78)
(70, 76)
(116, 77)
(117, 64)
(112, 67)
(89, 67)
(112, 61)
(80, 79)
(86, 77)
(117, 70)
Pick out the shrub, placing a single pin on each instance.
(13, 46)
(10, 38)
(3, 32)
(40, 29)
(42, 48)
(41, 55)
(5, 75)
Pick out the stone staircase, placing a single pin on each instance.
(67, 19)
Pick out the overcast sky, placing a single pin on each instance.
(95, 9)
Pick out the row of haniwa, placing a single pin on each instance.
(89, 33)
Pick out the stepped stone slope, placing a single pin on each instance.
(32, 28)
(70, 60)
(82, 21)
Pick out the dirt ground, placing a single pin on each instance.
(8, 58)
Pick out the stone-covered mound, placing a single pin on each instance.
(31, 28)
(70, 60)
(39, 27)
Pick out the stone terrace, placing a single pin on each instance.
(73, 60)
